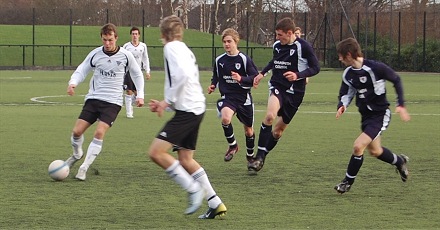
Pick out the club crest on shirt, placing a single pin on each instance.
(363, 79)
(237, 65)
(292, 51)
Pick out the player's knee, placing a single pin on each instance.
(277, 134)
(269, 119)
(375, 152)
(226, 120)
(358, 149)
(249, 132)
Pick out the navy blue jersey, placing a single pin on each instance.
(222, 76)
(368, 84)
(298, 57)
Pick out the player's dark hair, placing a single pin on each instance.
(135, 28)
(108, 28)
(349, 45)
(285, 25)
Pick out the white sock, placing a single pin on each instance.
(92, 152)
(182, 177)
(200, 176)
(128, 104)
(77, 143)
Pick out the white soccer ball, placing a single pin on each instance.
(58, 170)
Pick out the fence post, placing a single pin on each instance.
(424, 43)
(375, 35)
(399, 38)
(143, 25)
(62, 56)
(33, 36)
(71, 38)
(24, 56)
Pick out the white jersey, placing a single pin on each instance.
(182, 86)
(107, 81)
(140, 53)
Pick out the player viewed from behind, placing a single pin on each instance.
(293, 61)
(140, 53)
(366, 79)
(104, 99)
(234, 74)
(183, 94)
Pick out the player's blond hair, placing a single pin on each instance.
(231, 32)
(171, 28)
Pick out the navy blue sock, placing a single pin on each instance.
(389, 157)
(272, 141)
(265, 132)
(229, 134)
(354, 165)
(250, 144)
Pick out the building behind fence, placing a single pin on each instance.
(405, 40)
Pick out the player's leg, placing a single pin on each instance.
(106, 116)
(93, 150)
(273, 105)
(290, 105)
(228, 130)
(355, 163)
(245, 114)
(182, 128)
(385, 155)
(129, 88)
(250, 142)
(77, 140)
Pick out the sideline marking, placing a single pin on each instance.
(38, 100)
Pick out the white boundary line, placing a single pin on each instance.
(41, 100)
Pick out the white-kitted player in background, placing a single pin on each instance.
(140, 53)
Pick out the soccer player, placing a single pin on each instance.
(297, 32)
(234, 73)
(104, 99)
(140, 53)
(293, 61)
(366, 79)
(183, 94)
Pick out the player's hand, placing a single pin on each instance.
(290, 76)
(139, 102)
(340, 111)
(71, 89)
(153, 105)
(235, 76)
(257, 80)
(211, 89)
(147, 76)
(404, 115)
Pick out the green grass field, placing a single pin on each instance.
(59, 36)
(294, 190)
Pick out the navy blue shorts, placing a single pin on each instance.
(374, 123)
(289, 103)
(243, 110)
(94, 110)
(182, 130)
